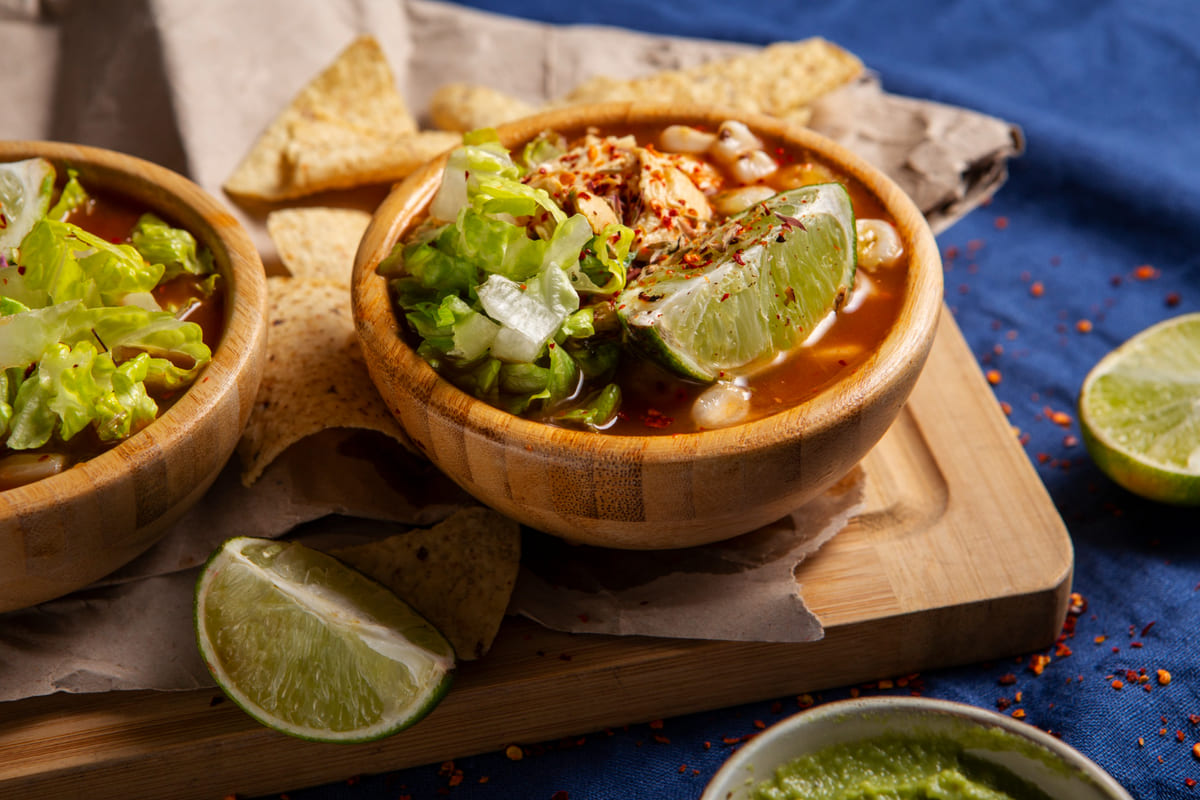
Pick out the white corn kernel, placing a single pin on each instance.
(753, 166)
(721, 405)
(685, 139)
(733, 139)
(735, 201)
(879, 244)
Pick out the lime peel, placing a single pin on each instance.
(310, 647)
(1139, 412)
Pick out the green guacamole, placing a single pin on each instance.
(894, 767)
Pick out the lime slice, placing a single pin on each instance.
(756, 285)
(1139, 411)
(25, 191)
(312, 648)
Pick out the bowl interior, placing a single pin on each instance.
(1054, 767)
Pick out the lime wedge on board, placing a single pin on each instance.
(313, 648)
(756, 285)
(1139, 411)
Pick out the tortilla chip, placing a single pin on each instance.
(466, 107)
(459, 574)
(315, 377)
(320, 155)
(779, 80)
(354, 100)
(318, 243)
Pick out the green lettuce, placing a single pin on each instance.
(172, 248)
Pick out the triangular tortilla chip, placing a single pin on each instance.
(354, 100)
(781, 80)
(459, 574)
(315, 377)
(318, 243)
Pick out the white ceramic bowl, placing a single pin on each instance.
(1035, 756)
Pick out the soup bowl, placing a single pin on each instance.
(67, 530)
(648, 491)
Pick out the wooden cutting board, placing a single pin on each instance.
(959, 557)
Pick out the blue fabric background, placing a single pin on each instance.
(1108, 94)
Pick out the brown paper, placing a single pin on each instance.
(154, 97)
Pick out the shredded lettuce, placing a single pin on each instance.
(491, 282)
(83, 342)
(172, 248)
(72, 198)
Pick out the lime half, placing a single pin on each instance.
(1139, 411)
(25, 191)
(312, 648)
(756, 285)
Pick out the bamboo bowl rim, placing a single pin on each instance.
(405, 204)
(187, 205)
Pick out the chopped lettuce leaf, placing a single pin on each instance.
(173, 248)
(72, 198)
(65, 262)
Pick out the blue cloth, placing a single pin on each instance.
(1108, 94)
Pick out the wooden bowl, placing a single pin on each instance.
(66, 531)
(647, 492)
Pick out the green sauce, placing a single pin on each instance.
(897, 767)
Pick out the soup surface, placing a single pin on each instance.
(107, 315)
(647, 212)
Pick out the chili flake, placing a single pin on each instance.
(1118, 684)
(1037, 289)
(514, 753)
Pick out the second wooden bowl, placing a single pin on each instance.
(648, 492)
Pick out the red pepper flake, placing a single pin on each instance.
(1083, 326)
(1179, 736)
(1037, 289)
(1141, 741)
(1061, 418)
(1003, 703)
(975, 245)
(1070, 440)
(682, 768)
(656, 724)
(1062, 651)
(1077, 604)
(758, 723)
(1118, 684)
(1008, 679)
(1038, 663)
(1194, 719)
(805, 701)
(514, 753)
(739, 258)
(708, 745)
(658, 737)
(1001, 223)
(731, 739)
(993, 376)
(1006, 408)
(1162, 731)
(1018, 713)
(1163, 677)
(1100, 639)
(1173, 299)
(1147, 627)
(653, 418)
(1145, 273)
(1135, 644)
(1189, 782)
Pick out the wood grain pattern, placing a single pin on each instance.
(959, 557)
(649, 492)
(66, 531)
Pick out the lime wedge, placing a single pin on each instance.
(312, 648)
(25, 191)
(756, 285)
(1139, 411)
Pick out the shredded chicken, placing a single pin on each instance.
(662, 197)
